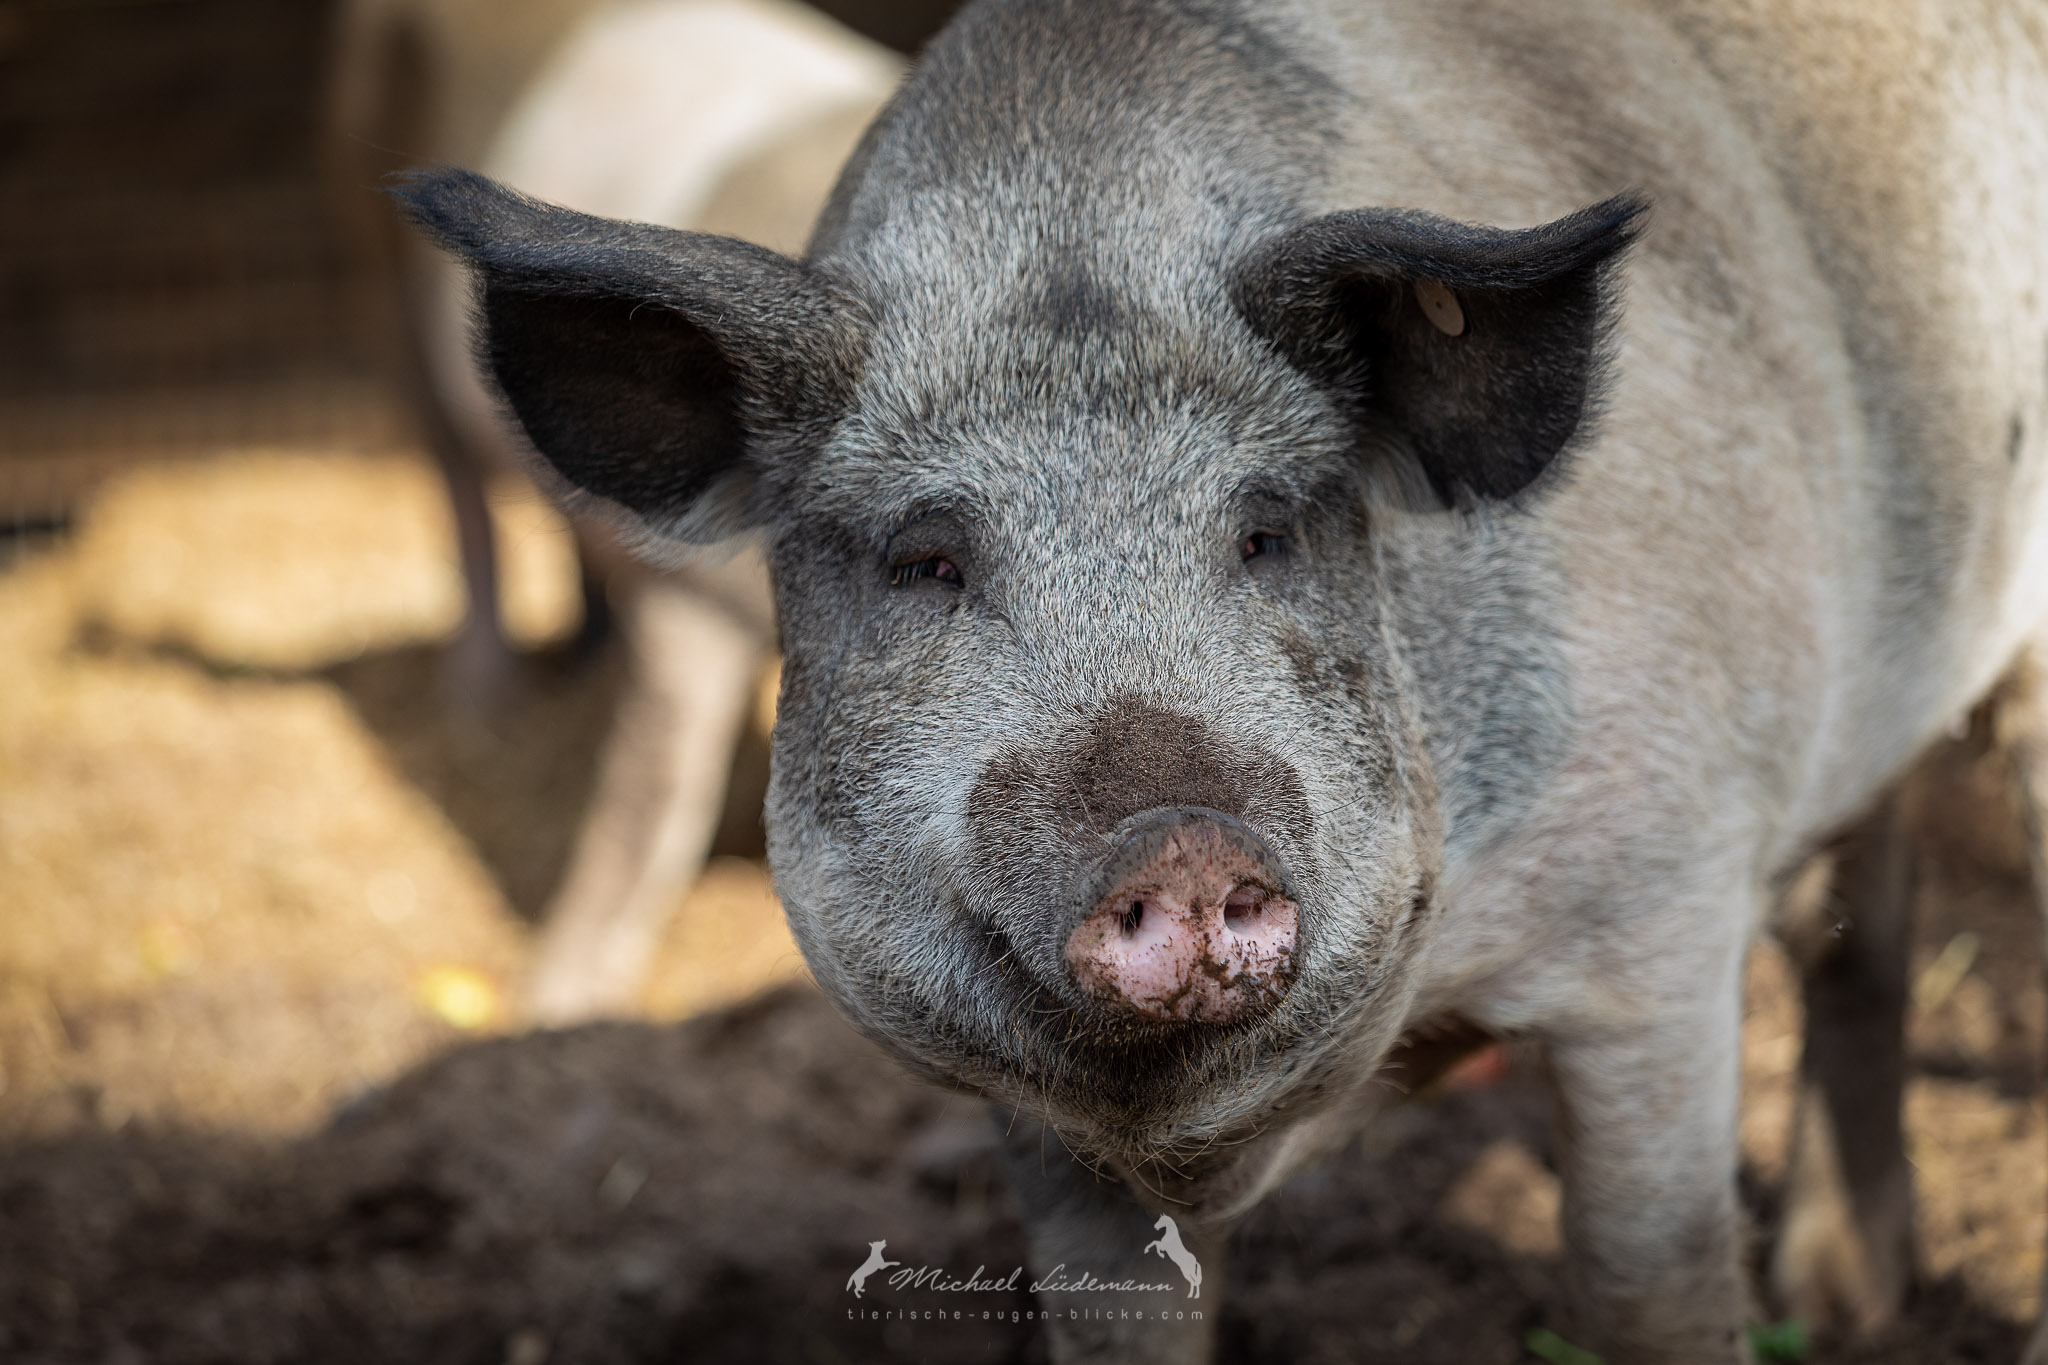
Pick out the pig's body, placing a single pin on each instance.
(1143, 519)
(1812, 529)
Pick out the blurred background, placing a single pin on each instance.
(277, 871)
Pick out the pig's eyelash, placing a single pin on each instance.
(936, 567)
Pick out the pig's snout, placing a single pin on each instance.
(1189, 920)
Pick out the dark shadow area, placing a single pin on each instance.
(515, 777)
(1983, 1019)
(26, 535)
(1942, 1323)
(173, 274)
(906, 25)
(170, 224)
(630, 1193)
(2010, 1077)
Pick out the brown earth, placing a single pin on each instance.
(264, 900)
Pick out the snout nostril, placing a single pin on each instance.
(1189, 919)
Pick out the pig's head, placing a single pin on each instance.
(1101, 782)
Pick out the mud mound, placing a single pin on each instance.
(645, 1193)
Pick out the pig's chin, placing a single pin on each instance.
(1196, 1120)
(1145, 1092)
(1131, 1088)
(1141, 1095)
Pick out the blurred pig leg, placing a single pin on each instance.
(1845, 1251)
(660, 790)
(384, 85)
(480, 659)
(2023, 731)
(459, 421)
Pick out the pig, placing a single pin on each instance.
(733, 114)
(1294, 521)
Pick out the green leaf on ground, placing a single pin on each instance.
(1545, 1344)
(1778, 1343)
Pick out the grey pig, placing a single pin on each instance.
(1235, 609)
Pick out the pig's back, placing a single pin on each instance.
(1912, 137)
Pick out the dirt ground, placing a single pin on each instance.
(265, 904)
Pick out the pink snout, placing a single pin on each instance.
(1193, 925)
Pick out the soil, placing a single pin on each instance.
(265, 902)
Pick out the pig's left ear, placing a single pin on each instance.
(1477, 349)
(664, 373)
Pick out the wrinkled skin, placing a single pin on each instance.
(1119, 463)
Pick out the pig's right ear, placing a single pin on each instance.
(663, 372)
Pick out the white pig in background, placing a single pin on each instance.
(728, 115)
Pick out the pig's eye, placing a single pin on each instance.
(1262, 544)
(937, 567)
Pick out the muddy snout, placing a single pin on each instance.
(1189, 919)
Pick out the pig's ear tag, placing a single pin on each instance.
(1440, 306)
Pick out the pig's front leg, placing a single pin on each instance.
(1647, 1073)
(1079, 1224)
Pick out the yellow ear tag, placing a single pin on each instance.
(1440, 306)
